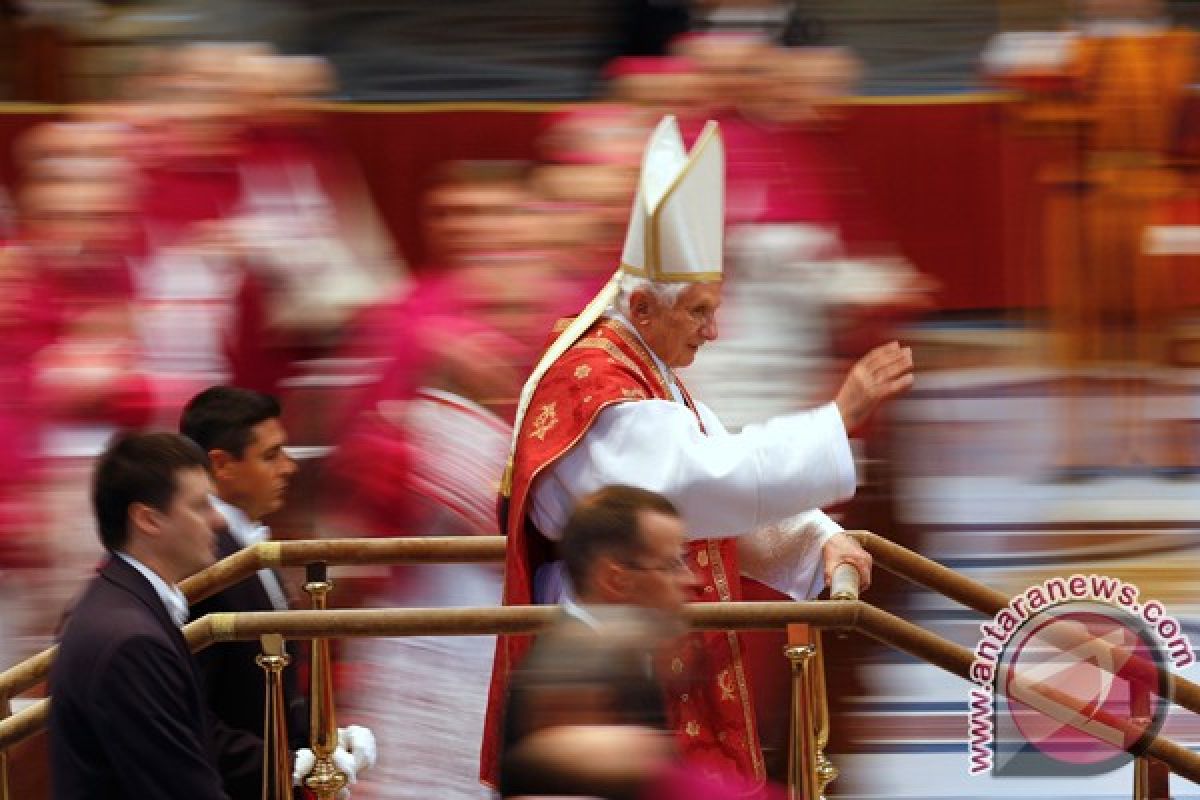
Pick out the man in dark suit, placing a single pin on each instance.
(240, 431)
(127, 712)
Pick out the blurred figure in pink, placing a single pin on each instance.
(71, 267)
(590, 158)
(422, 450)
(312, 246)
(794, 278)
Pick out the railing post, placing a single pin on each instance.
(827, 773)
(803, 783)
(5, 712)
(1151, 777)
(277, 760)
(326, 780)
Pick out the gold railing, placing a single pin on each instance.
(840, 614)
(809, 772)
(335, 552)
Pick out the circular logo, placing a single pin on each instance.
(1083, 683)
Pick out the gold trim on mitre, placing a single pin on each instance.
(674, 277)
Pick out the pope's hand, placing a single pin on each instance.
(844, 549)
(882, 373)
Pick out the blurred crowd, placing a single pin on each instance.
(203, 227)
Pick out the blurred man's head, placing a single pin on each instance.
(75, 218)
(150, 497)
(730, 65)
(241, 432)
(627, 546)
(476, 210)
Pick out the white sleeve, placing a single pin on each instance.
(787, 556)
(724, 484)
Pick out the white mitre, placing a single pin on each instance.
(677, 223)
(675, 235)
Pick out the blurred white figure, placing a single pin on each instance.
(788, 284)
(425, 696)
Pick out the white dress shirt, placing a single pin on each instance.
(172, 599)
(761, 484)
(246, 532)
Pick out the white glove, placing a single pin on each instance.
(360, 743)
(343, 760)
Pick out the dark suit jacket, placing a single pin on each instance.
(127, 714)
(232, 680)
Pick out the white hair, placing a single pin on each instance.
(666, 293)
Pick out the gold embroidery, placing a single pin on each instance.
(547, 418)
(725, 682)
(587, 399)
(622, 333)
(738, 668)
(633, 394)
(702, 558)
(615, 353)
(582, 371)
(676, 665)
(692, 728)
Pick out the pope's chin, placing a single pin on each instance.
(688, 356)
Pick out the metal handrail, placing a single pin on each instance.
(845, 614)
(263, 555)
(918, 569)
(896, 559)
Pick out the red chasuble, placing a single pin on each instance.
(708, 699)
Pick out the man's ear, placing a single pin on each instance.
(642, 304)
(144, 519)
(610, 580)
(221, 461)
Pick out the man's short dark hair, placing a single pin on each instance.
(223, 418)
(605, 523)
(138, 468)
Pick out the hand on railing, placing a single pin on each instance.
(843, 550)
(356, 752)
(844, 585)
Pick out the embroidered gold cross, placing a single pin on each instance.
(546, 419)
(725, 681)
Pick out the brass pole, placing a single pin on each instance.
(827, 773)
(5, 712)
(803, 783)
(277, 758)
(325, 780)
(1151, 778)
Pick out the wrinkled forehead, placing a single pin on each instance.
(700, 294)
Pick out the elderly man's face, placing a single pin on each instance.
(675, 334)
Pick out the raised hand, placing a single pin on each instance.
(881, 374)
